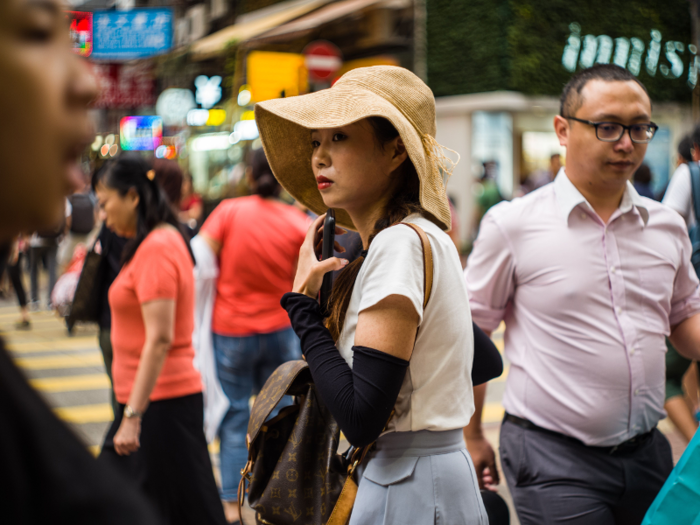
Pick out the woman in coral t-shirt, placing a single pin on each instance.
(157, 436)
(257, 241)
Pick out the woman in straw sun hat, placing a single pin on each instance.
(366, 148)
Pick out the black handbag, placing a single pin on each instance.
(86, 301)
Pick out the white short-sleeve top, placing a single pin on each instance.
(437, 391)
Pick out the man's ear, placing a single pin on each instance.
(561, 127)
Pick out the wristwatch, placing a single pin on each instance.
(129, 412)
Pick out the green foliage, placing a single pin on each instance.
(476, 46)
(467, 45)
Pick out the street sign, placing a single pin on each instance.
(141, 133)
(80, 24)
(127, 35)
(322, 60)
(125, 85)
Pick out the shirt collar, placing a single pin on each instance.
(568, 198)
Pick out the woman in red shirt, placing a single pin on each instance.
(157, 436)
(257, 241)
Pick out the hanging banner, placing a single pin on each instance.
(126, 35)
(125, 85)
(80, 24)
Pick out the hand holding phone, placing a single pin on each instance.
(327, 253)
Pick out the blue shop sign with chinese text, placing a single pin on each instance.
(126, 35)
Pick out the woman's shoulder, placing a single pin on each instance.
(403, 237)
(163, 242)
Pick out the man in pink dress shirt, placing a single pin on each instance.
(589, 277)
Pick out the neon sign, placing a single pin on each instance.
(141, 133)
(80, 32)
(590, 49)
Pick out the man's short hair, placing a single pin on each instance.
(554, 155)
(571, 98)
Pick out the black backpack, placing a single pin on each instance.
(83, 215)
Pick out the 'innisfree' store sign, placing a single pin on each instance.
(633, 54)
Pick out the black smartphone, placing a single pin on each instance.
(326, 253)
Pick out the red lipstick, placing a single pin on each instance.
(323, 182)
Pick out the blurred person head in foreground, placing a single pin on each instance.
(44, 94)
(43, 105)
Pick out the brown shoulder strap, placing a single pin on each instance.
(427, 262)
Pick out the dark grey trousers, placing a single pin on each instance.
(554, 480)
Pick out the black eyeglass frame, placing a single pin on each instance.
(628, 129)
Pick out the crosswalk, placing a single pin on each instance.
(69, 372)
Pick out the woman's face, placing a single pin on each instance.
(118, 211)
(353, 171)
(44, 124)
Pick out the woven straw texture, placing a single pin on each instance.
(390, 92)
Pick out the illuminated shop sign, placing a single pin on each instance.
(80, 24)
(208, 90)
(127, 35)
(632, 53)
(141, 133)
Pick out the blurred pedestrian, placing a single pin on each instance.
(191, 205)
(257, 241)
(543, 177)
(81, 213)
(679, 194)
(589, 277)
(641, 180)
(157, 435)
(370, 362)
(46, 473)
(486, 192)
(43, 252)
(14, 271)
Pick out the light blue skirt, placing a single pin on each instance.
(419, 478)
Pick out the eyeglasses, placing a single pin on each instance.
(613, 131)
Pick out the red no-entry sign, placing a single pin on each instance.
(322, 60)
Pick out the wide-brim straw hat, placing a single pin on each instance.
(393, 93)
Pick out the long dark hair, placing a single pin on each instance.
(403, 203)
(131, 171)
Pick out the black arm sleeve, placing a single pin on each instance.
(487, 359)
(361, 398)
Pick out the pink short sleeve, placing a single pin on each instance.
(490, 275)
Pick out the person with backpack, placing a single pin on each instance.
(80, 221)
(391, 368)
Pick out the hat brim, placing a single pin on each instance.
(284, 125)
